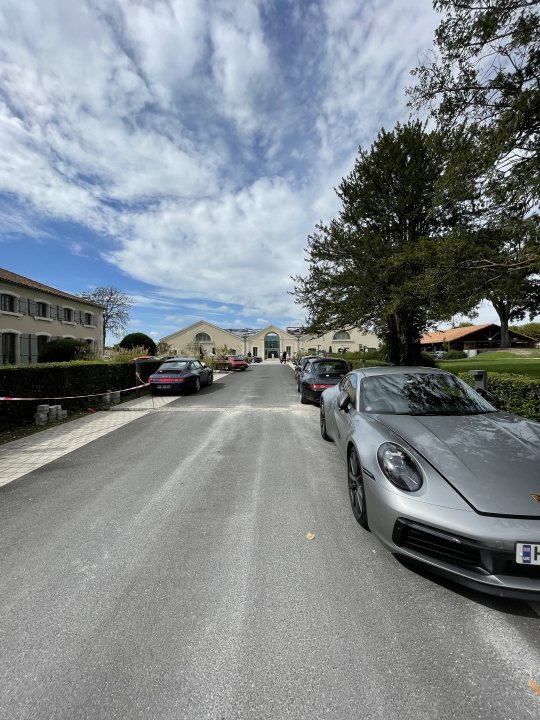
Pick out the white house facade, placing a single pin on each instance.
(31, 314)
(267, 342)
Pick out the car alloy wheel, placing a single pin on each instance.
(197, 384)
(303, 398)
(210, 379)
(322, 419)
(357, 492)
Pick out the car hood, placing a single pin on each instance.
(492, 460)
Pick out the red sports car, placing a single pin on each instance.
(236, 362)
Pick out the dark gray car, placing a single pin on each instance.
(441, 476)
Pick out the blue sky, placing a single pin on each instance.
(182, 150)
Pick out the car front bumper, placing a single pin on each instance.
(474, 550)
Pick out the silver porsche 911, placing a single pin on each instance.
(440, 476)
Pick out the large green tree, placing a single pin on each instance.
(377, 265)
(484, 78)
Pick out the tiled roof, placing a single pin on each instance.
(22, 281)
(452, 334)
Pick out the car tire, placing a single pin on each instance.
(197, 384)
(357, 491)
(303, 399)
(322, 421)
(210, 379)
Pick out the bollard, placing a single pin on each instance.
(480, 379)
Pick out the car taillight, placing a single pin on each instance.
(318, 386)
(169, 380)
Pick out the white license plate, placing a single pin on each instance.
(528, 553)
(165, 387)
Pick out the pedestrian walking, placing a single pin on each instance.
(284, 357)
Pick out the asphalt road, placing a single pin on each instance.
(163, 571)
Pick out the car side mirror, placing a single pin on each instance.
(343, 401)
(489, 397)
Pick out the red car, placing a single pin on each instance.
(236, 362)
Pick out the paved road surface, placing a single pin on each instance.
(163, 571)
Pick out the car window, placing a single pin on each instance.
(421, 394)
(196, 364)
(330, 366)
(175, 365)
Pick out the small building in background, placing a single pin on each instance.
(31, 314)
(473, 338)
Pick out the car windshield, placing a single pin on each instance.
(236, 357)
(176, 366)
(330, 366)
(421, 394)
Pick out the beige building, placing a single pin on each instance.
(31, 314)
(271, 341)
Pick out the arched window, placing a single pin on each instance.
(341, 335)
(203, 337)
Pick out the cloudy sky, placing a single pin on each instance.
(182, 150)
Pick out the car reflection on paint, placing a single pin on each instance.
(440, 476)
(179, 375)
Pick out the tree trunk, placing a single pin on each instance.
(503, 311)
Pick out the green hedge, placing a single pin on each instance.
(517, 394)
(59, 379)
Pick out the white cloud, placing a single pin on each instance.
(199, 142)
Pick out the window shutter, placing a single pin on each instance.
(23, 306)
(25, 348)
(33, 349)
(32, 310)
(53, 311)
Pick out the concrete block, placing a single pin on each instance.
(115, 397)
(42, 409)
(40, 419)
(53, 413)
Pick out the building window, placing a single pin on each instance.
(7, 303)
(341, 335)
(42, 310)
(9, 345)
(42, 340)
(68, 315)
(88, 318)
(203, 337)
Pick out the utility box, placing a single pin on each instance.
(480, 379)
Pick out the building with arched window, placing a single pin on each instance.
(267, 342)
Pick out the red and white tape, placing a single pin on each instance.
(74, 397)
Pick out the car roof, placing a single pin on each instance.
(176, 359)
(399, 370)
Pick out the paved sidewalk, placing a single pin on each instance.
(19, 457)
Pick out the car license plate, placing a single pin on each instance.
(165, 387)
(528, 553)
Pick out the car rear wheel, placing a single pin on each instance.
(303, 398)
(210, 379)
(322, 417)
(197, 385)
(357, 491)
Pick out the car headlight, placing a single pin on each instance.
(399, 467)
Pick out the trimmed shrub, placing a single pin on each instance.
(61, 350)
(139, 340)
(455, 355)
(515, 393)
(48, 382)
(426, 360)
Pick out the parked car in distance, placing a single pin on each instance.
(179, 375)
(440, 476)
(318, 375)
(237, 362)
(256, 359)
(301, 363)
(438, 355)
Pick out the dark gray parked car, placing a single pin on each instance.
(440, 476)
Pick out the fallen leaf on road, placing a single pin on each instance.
(310, 536)
(534, 687)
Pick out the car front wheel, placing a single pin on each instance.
(357, 491)
(210, 379)
(303, 398)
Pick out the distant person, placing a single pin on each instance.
(284, 357)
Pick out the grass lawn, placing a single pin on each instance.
(521, 362)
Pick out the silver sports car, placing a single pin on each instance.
(440, 476)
